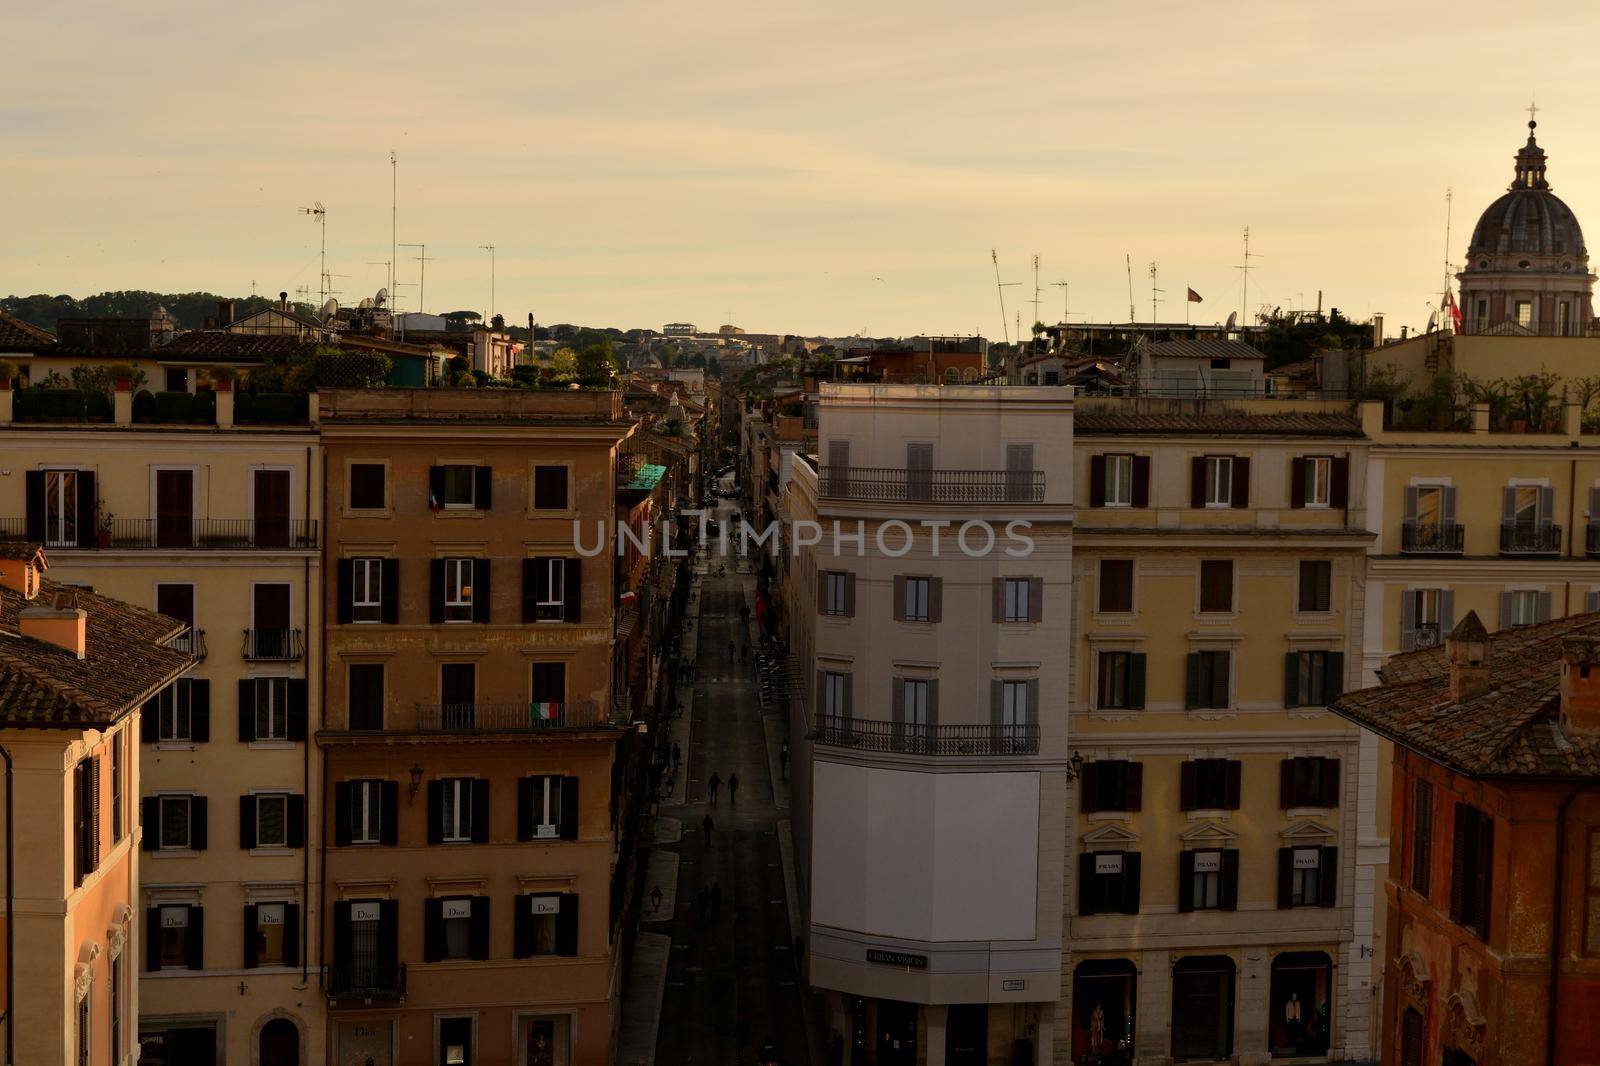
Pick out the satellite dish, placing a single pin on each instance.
(366, 303)
(382, 297)
(1433, 321)
(329, 309)
(1233, 319)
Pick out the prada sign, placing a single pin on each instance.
(898, 958)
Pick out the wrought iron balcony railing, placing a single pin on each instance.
(205, 534)
(510, 717)
(193, 642)
(1518, 539)
(373, 980)
(875, 734)
(894, 484)
(274, 645)
(1432, 538)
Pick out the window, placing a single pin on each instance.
(1116, 586)
(458, 590)
(1422, 841)
(836, 592)
(1120, 681)
(1112, 785)
(914, 607)
(272, 820)
(456, 811)
(117, 824)
(1563, 319)
(1017, 593)
(549, 690)
(368, 491)
(1306, 869)
(1210, 784)
(1471, 866)
(175, 812)
(455, 1042)
(371, 959)
(458, 484)
(272, 707)
(366, 590)
(457, 922)
(912, 715)
(550, 488)
(1216, 585)
(542, 801)
(1411, 1038)
(1313, 678)
(1205, 880)
(60, 508)
(1016, 704)
(543, 912)
(366, 812)
(1108, 882)
(1520, 608)
(86, 817)
(1309, 782)
(174, 943)
(85, 1029)
(835, 696)
(1316, 586)
(116, 980)
(1208, 679)
(1319, 480)
(550, 587)
(1591, 890)
(267, 933)
(174, 717)
(1425, 618)
(1119, 481)
(456, 928)
(1524, 313)
(1219, 481)
(365, 695)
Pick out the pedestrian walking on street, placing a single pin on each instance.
(783, 759)
(706, 825)
(712, 784)
(716, 900)
(733, 788)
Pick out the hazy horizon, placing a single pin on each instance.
(636, 165)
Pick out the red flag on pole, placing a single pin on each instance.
(1455, 311)
(1194, 297)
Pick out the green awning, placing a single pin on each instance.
(647, 477)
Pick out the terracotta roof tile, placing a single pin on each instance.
(19, 336)
(1514, 729)
(217, 344)
(1202, 348)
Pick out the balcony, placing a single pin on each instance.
(1522, 539)
(193, 641)
(1432, 539)
(369, 981)
(870, 734)
(510, 717)
(894, 484)
(274, 645)
(185, 534)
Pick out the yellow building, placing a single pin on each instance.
(217, 527)
(1225, 833)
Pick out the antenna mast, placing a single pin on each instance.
(320, 214)
(1066, 297)
(1036, 317)
(1155, 293)
(394, 221)
(490, 249)
(1244, 299)
(1444, 297)
(1000, 288)
(1133, 316)
(422, 289)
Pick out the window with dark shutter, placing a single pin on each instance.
(1116, 586)
(550, 488)
(1472, 860)
(1216, 585)
(367, 488)
(364, 696)
(1316, 586)
(1422, 838)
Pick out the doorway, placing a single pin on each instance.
(967, 1034)
(272, 508)
(174, 508)
(1202, 1007)
(897, 1033)
(279, 1043)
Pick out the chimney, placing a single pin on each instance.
(1467, 647)
(1580, 684)
(283, 301)
(21, 572)
(224, 313)
(63, 624)
(1377, 331)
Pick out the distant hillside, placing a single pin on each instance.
(191, 309)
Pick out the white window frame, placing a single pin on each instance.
(472, 487)
(1219, 480)
(61, 495)
(188, 822)
(918, 599)
(1016, 599)
(914, 703)
(175, 706)
(833, 694)
(1206, 889)
(1524, 607)
(366, 803)
(272, 707)
(458, 588)
(1107, 676)
(366, 589)
(1319, 481)
(1305, 883)
(547, 807)
(261, 799)
(456, 810)
(555, 600)
(1119, 479)
(1014, 709)
(836, 588)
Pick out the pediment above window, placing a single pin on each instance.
(1308, 831)
(1110, 836)
(1208, 835)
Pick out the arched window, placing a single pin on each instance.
(1202, 1007)
(952, 375)
(279, 1043)
(1105, 995)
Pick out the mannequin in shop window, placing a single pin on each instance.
(1292, 1026)
(1097, 1030)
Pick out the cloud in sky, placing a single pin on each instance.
(642, 162)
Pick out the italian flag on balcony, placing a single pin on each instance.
(627, 598)
(546, 712)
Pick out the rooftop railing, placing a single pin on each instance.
(534, 717)
(873, 734)
(182, 533)
(897, 484)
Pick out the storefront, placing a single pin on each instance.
(1301, 1004)
(967, 1034)
(1202, 1007)
(178, 1044)
(1105, 994)
(367, 1042)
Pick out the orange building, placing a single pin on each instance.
(473, 734)
(1494, 879)
(74, 670)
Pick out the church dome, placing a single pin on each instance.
(1528, 220)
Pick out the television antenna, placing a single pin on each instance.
(319, 214)
(422, 289)
(1244, 268)
(1066, 297)
(1000, 287)
(1036, 317)
(1155, 293)
(490, 249)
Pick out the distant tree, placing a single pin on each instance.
(596, 364)
(461, 320)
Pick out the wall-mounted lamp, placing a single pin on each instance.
(1075, 767)
(416, 779)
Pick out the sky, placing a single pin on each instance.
(817, 168)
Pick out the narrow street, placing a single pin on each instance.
(737, 964)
